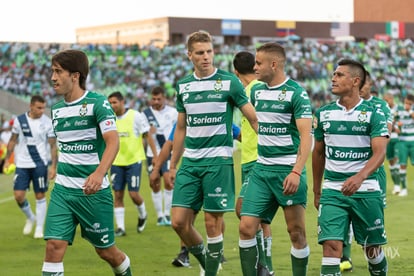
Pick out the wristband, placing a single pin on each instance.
(295, 172)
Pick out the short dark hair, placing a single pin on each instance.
(244, 62)
(157, 90)
(37, 98)
(117, 95)
(357, 69)
(73, 61)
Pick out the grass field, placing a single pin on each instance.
(151, 252)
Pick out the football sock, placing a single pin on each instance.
(199, 253)
(395, 174)
(248, 256)
(268, 251)
(330, 266)
(124, 269)
(299, 259)
(157, 200)
(41, 207)
(378, 266)
(261, 247)
(120, 217)
(403, 179)
(167, 202)
(142, 211)
(52, 269)
(27, 210)
(213, 254)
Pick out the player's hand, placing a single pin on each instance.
(93, 183)
(155, 179)
(291, 184)
(173, 172)
(316, 200)
(351, 185)
(51, 173)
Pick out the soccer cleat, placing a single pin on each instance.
(396, 190)
(161, 221)
(167, 220)
(223, 259)
(263, 270)
(141, 224)
(120, 232)
(28, 227)
(38, 234)
(403, 192)
(182, 259)
(345, 265)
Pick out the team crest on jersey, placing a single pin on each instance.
(282, 95)
(218, 86)
(363, 117)
(83, 110)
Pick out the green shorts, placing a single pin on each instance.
(392, 149)
(70, 207)
(264, 193)
(245, 170)
(405, 151)
(210, 187)
(336, 211)
(382, 181)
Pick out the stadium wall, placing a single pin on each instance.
(14, 105)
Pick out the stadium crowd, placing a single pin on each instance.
(134, 69)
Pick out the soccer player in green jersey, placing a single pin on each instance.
(243, 63)
(278, 179)
(392, 147)
(205, 103)
(84, 124)
(351, 137)
(405, 122)
(365, 93)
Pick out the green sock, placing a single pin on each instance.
(403, 179)
(379, 269)
(125, 273)
(346, 252)
(261, 247)
(330, 270)
(249, 258)
(268, 251)
(395, 176)
(213, 258)
(299, 259)
(199, 253)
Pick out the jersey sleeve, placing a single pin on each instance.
(301, 104)
(141, 124)
(238, 92)
(105, 116)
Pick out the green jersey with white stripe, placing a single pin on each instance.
(277, 109)
(347, 135)
(78, 127)
(406, 124)
(208, 104)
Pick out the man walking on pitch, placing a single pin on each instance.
(32, 137)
